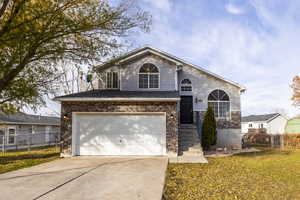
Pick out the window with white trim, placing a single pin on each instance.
(11, 136)
(220, 102)
(31, 130)
(186, 85)
(2, 136)
(250, 125)
(148, 76)
(112, 80)
(261, 125)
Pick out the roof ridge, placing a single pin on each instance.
(27, 114)
(136, 50)
(261, 114)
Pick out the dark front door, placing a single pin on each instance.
(186, 110)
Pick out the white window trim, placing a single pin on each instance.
(186, 85)
(230, 109)
(7, 136)
(141, 73)
(227, 118)
(4, 136)
(32, 130)
(149, 80)
(112, 88)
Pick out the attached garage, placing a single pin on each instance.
(113, 122)
(119, 133)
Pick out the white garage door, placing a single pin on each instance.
(119, 134)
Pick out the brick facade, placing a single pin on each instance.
(170, 108)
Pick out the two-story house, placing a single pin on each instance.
(148, 102)
(273, 123)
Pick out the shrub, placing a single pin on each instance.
(209, 129)
(291, 141)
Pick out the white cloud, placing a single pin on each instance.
(234, 9)
(162, 5)
(264, 61)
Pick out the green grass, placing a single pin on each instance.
(271, 174)
(17, 160)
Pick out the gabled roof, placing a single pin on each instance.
(22, 118)
(117, 95)
(260, 118)
(147, 49)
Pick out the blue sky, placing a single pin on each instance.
(252, 42)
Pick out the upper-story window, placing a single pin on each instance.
(112, 80)
(186, 85)
(250, 125)
(219, 101)
(148, 76)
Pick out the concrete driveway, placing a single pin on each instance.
(88, 178)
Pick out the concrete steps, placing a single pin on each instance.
(189, 142)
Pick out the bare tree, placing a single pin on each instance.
(296, 91)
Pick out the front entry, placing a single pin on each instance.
(186, 110)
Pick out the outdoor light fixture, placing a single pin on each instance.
(65, 117)
(172, 116)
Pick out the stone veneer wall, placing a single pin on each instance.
(169, 107)
(229, 131)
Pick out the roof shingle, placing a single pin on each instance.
(122, 94)
(253, 118)
(21, 118)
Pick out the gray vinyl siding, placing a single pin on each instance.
(203, 84)
(129, 75)
(38, 137)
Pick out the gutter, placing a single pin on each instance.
(25, 123)
(62, 99)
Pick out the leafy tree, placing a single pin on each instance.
(36, 35)
(296, 91)
(209, 129)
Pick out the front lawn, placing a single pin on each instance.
(271, 174)
(16, 160)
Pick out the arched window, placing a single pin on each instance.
(220, 102)
(148, 76)
(186, 85)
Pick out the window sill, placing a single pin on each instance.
(223, 118)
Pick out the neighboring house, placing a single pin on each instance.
(148, 102)
(273, 123)
(20, 130)
(293, 126)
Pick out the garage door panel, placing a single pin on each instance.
(121, 134)
(97, 137)
(100, 145)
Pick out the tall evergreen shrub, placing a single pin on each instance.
(209, 129)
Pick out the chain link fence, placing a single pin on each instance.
(28, 141)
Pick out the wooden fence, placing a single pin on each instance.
(291, 141)
(259, 138)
